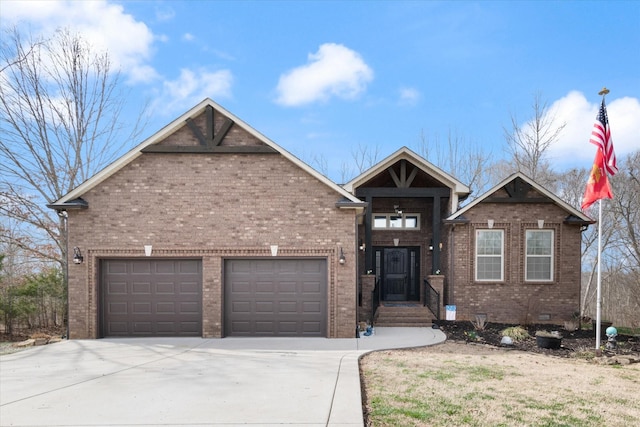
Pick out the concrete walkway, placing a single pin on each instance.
(193, 381)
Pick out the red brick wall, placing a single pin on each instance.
(514, 300)
(212, 206)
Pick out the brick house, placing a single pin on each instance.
(208, 228)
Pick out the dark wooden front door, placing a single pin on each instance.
(399, 273)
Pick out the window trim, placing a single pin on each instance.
(389, 216)
(477, 255)
(551, 256)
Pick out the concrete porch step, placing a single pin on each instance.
(403, 316)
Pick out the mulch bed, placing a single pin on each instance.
(573, 343)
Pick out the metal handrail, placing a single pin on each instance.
(432, 299)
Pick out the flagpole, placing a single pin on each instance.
(598, 292)
(603, 92)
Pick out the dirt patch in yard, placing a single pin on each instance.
(471, 380)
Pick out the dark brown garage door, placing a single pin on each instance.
(143, 298)
(283, 297)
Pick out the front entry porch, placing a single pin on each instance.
(395, 313)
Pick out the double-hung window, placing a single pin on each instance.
(489, 255)
(539, 262)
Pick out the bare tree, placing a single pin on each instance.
(528, 144)
(620, 256)
(462, 159)
(61, 122)
(365, 156)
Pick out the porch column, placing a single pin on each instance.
(435, 265)
(368, 250)
(367, 283)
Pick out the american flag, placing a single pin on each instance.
(601, 136)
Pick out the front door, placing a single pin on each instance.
(398, 271)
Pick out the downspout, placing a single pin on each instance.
(358, 284)
(65, 229)
(452, 258)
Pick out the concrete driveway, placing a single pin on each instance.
(193, 381)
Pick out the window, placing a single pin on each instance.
(539, 262)
(489, 255)
(396, 222)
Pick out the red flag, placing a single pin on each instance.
(601, 137)
(598, 185)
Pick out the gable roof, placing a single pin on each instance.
(68, 201)
(576, 215)
(406, 154)
(459, 191)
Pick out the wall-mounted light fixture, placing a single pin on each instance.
(342, 258)
(362, 246)
(431, 245)
(398, 210)
(77, 256)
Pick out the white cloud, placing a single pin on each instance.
(188, 37)
(409, 96)
(190, 88)
(334, 70)
(573, 147)
(104, 25)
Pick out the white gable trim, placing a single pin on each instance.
(177, 124)
(535, 185)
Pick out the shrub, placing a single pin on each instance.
(516, 333)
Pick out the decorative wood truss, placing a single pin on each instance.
(517, 191)
(209, 143)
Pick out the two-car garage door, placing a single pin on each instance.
(262, 297)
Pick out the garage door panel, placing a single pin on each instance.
(311, 307)
(276, 297)
(189, 288)
(141, 288)
(141, 308)
(189, 308)
(117, 308)
(166, 308)
(116, 288)
(264, 286)
(151, 298)
(140, 267)
(288, 307)
(263, 307)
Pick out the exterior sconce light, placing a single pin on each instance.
(362, 246)
(77, 256)
(431, 245)
(342, 258)
(398, 210)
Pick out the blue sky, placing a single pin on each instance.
(322, 79)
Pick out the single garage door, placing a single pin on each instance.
(276, 297)
(142, 298)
